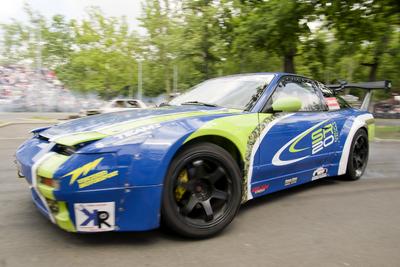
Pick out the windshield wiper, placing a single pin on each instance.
(199, 103)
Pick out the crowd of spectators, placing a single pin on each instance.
(24, 89)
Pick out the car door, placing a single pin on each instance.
(298, 143)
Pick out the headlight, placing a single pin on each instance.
(114, 141)
(131, 137)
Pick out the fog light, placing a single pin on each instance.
(53, 205)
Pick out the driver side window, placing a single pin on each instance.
(303, 89)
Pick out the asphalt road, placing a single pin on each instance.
(324, 223)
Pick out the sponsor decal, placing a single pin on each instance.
(332, 103)
(86, 181)
(260, 188)
(290, 181)
(324, 137)
(138, 131)
(96, 178)
(320, 136)
(319, 173)
(95, 217)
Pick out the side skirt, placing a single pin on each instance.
(268, 186)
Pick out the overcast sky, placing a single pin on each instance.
(71, 8)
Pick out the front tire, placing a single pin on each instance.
(202, 191)
(358, 156)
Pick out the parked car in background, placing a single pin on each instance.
(388, 109)
(115, 105)
(351, 99)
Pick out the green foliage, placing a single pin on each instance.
(313, 57)
(102, 59)
(160, 45)
(364, 27)
(57, 47)
(274, 26)
(355, 40)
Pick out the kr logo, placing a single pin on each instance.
(95, 217)
(320, 138)
(82, 171)
(98, 217)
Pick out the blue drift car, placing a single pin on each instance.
(191, 163)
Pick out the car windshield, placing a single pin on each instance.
(231, 92)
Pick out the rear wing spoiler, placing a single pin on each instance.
(369, 86)
(366, 86)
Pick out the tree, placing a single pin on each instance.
(202, 31)
(355, 40)
(14, 36)
(102, 59)
(275, 26)
(314, 56)
(364, 25)
(21, 42)
(58, 41)
(160, 45)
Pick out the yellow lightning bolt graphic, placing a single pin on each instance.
(82, 171)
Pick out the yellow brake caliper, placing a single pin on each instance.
(182, 178)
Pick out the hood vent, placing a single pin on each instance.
(64, 150)
(69, 150)
(41, 137)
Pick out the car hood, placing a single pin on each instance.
(104, 125)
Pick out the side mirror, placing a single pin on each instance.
(286, 104)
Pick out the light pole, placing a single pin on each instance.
(38, 48)
(38, 60)
(140, 79)
(132, 83)
(175, 77)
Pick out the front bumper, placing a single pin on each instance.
(128, 208)
(59, 216)
(135, 211)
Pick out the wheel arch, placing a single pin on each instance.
(365, 128)
(220, 141)
(360, 122)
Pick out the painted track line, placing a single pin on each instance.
(26, 122)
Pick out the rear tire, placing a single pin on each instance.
(202, 191)
(358, 156)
